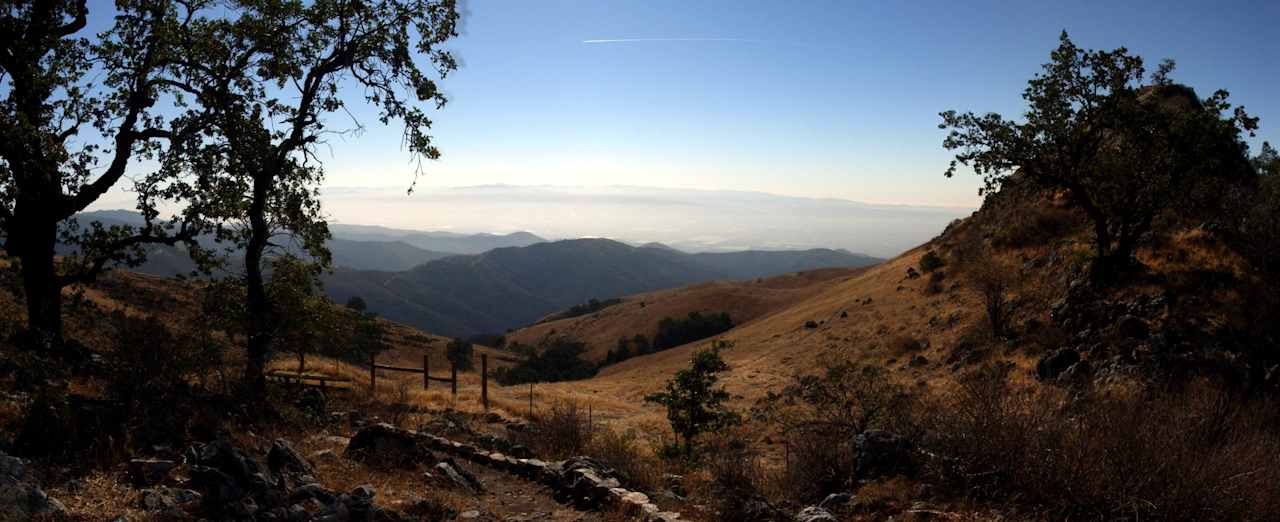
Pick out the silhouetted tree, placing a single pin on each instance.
(271, 71)
(1122, 150)
(357, 303)
(70, 100)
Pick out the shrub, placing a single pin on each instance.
(1191, 454)
(930, 261)
(1035, 225)
(934, 286)
(637, 468)
(819, 416)
(556, 358)
(903, 344)
(561, 431)
(694, 405)
(460, 353)
(697, 326)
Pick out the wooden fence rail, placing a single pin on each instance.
(425, 370)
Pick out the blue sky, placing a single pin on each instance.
(826, 99)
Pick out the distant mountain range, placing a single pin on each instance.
(512, 287)
(358, 247)
(466, 284)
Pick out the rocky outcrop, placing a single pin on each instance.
(20, 495)
(815, 514)
(149, 472)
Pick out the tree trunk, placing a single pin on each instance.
(259, 307)
(33, 239)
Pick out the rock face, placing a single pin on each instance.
(20, 496)
(880, 453)
(457, 476)
(1133, 327)
(283, 457)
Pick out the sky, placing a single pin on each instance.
(809, 99)
(822, 99)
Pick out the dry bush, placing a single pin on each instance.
(1035, 225)
(561, 431)
(735, 482)
(1192, 454)
(934, 286)
(636, 467)
(819, 416)
(903, 344)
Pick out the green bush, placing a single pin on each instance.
(694, 404)
(931, 261)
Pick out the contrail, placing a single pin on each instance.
(639, 40)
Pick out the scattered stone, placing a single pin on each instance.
(282, 457)
(20, 496)
(815, 514)
(918, 361)
(149, 472)
(912, 273)
(458, 476)
(836, 501)
(324, 456)
(1078, 373)
(167, 499)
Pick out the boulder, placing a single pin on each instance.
(388, 444)
(149, 472)
(815, 514)
(836, 501)
(1133, 327)
(1078, 373)
(282, 457)
(1055, 363)
(455, 475)
(20, 495)
(167, 499)
(881, 453)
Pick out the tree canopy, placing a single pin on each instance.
(1123, 146)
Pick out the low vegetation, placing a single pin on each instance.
(555, 358)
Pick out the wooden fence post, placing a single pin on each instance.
(453, 376)
(373, 375)
(484, 380)
(530, 400)
(426, 373)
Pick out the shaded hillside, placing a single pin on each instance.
(744, 301)
(512, 287)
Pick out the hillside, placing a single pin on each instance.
(511, 287)
(744, 301)
(451, 242)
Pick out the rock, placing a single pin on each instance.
(1054, 364)
(282, 457)
(918, 361)
(149, 472)
(912, 273)
(1133, 327)
(881, 453)
(1078, 373)
(836, 501)
(458, 476)
(165, 499)
(324, 456)
(20, 496)
(815, 514)
(388, 444)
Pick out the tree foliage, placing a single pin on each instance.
(72, 101)
(263, 76)
(1123, 150)
(694, 404)
(461, 354)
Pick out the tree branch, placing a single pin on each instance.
(82, 19)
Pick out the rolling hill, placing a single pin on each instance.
(512, 287)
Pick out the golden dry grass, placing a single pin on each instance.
(744, 301)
